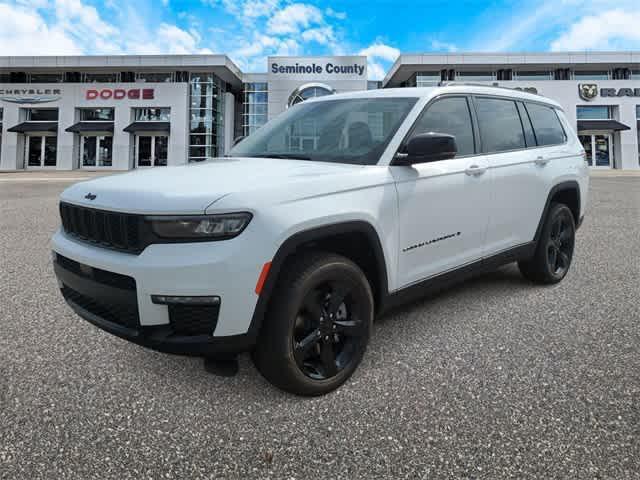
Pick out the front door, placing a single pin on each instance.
(41, 151)
(151, 150)
(443, 205)
(599, 149)
(96, 151)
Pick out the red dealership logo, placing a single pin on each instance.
(120, 94)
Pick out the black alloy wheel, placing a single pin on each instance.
(317, 327)
(554, 250)
(560, 246)
(328, 331)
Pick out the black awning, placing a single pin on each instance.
(25, 127)
(148, 127)
(91, 127)
(611, 125)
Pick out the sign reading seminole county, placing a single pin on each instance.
(317, 69)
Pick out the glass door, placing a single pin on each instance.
(41, 151)
(151, 150)
(96, 151)
(602, 151)
(598, 149)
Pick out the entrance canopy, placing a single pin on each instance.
(91, 127)
(608, 125)
(147, 127)
(26, 127)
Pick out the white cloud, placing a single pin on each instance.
(25, 32)
(321, 35)
(293, 18)
(332, 13)
(379, 56)
(443, 46)
(614, 29)
(380, 50)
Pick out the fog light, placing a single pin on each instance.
(180, 300)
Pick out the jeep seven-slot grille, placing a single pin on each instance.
(114, 230)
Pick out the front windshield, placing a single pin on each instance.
(343, 130)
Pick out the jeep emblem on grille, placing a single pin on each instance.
(90, 196)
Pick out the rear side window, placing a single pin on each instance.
(451, 116)
(546, 125)
(500, 126)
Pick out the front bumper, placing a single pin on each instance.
(113, 290)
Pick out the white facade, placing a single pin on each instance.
(203, 123)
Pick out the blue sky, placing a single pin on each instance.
(250, 30)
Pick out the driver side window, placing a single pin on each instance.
(451, 116)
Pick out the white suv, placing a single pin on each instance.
(329, 214)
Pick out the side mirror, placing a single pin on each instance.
(237, 140)
(428, 147)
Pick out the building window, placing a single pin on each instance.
(46, 77)
(534, 76)
(206, 112)
(97, 114)
(155, 77)
(594, 112)
(42, 115)
(254, 107)
(591, 74)
(475, 76)
(152, 114)
(634, 75)
(426, 79)
(106, 77)
(309, 90)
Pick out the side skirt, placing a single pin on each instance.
(442, 281)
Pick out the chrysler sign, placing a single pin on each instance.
(30, 95)
(589, 91)
(120, 94)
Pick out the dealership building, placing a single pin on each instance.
(125, 112)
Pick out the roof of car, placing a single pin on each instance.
(439, 90)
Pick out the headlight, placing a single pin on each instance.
(214, 227)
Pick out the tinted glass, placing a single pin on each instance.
(526, 124)
(546, 124)
(96, 114)
(593, 112)
(43, 114)
(343, 131)
(450, 116)
(500, 126)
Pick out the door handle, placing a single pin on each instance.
(475, 170)
(541, 161)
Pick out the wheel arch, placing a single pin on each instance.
(567, 192)
(323, 238)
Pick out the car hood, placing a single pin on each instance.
(190, 189)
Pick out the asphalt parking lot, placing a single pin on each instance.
(494, 378)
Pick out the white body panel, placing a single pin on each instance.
(406, 205)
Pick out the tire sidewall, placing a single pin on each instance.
(556, 211)
(295, 292)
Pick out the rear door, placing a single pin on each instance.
(443, 205)
(518, 164)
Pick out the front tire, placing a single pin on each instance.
(318, 324)
(554, 250)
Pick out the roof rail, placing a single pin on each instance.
(451, 83)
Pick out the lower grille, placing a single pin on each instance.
(193, 320)
(101, 276)
(125, 315)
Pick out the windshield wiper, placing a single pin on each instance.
(287, 156)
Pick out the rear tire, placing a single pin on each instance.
(317, 326)
(554, 251)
